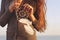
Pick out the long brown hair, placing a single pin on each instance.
(40, 11)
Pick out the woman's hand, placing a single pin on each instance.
(14, 5)
(28, 8)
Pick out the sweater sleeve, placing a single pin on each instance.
(4, 14)
(4, 18)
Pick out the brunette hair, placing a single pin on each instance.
(40, 12)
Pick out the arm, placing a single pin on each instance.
(31, 16)
(4, 18)
(34, 20)
(4, 14)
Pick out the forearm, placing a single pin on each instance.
(33, 19)
(5, 17)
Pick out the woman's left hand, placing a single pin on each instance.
(28, 8)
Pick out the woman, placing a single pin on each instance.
(36, 15)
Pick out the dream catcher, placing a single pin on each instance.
(24, 26)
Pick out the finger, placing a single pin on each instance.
(25, 6)
(17, 5)
(30, 8)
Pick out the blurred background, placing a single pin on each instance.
(53, 23)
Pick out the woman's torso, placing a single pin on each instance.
(12, 24)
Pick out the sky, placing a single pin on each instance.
(52, 19)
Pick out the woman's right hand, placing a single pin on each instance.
(14, 5)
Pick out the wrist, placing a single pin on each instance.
(33, 18)
(11, 9)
